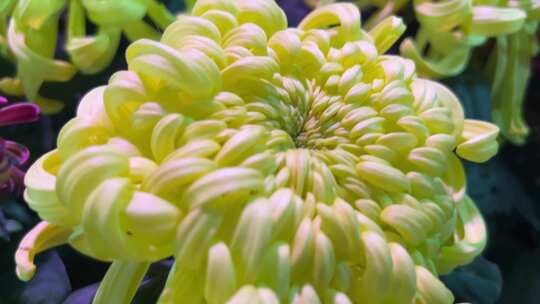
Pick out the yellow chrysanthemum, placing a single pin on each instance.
(294, 165)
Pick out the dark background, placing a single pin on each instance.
(506, 190)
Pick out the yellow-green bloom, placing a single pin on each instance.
(296, 165)
(29, 30)
(452, 29)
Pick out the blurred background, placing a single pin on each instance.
(506, 189)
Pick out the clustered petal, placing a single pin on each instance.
(294, 165)
(450, 30)
(29, 32)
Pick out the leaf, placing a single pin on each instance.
(50, 285)
(473, 91)
(82, 296)
(479, 282)
(522, 284)
(7, 227)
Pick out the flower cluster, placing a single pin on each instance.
(450, 30)
(29, 32)
(276, 165)
(14, 155)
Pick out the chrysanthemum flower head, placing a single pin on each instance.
(293, 165)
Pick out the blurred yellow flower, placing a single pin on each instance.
(29, 34)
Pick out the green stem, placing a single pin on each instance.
(121, 282)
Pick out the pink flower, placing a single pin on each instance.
(14, 155)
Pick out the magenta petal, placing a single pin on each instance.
(6, 187)
(5, 165)
(4, 160)
(18, 113)
(3, 100)
(17, 152)
(15, 182)
(12, 154)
